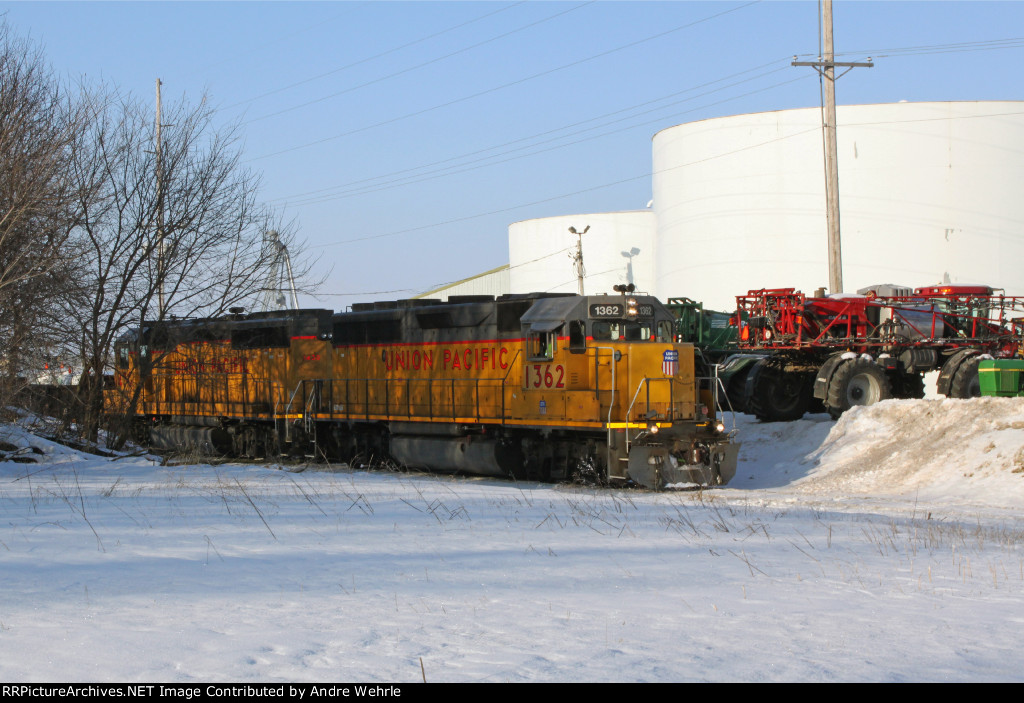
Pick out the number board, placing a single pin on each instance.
(606, 310)
(618, 310)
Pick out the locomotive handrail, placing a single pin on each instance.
(288, 408)
(277, 404)
(611, 403)
(504, 382)
(717, 393)
(646, 383)
(316, 386)
(511, 366)
(629, 410)
(716, 406)
(316, 390)
(725, 395)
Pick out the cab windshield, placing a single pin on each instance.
(608, 330)
(630, 331)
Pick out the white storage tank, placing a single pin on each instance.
(929, 193)
(618, 248)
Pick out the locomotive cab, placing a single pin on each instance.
(612, 361)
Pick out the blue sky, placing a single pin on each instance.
(404, 137)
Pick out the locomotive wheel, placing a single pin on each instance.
(965, 383)
(775, 395)
(856, 382)
(907, 385)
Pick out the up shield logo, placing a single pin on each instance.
(670, 362)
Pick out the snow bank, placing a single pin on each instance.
(43, 450)
(775, 454)
(938, 450)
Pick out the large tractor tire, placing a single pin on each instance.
(856, 382)
(965, 383)
(734, 374)
(776, 395)
(735, 391)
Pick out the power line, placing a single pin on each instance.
(935, 119)
(638, 177)
(896, 52)
(615, 183)
(360, 186)
(505, 85)
(984, 45)
(507, 267)
(540, 258)
(261, 50)
(561, 196)
(588, 276)
(373, 57)
(418, 179)
(369, 292)
(490, 161)
(419, 65)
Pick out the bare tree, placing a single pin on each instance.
(206, 255)
(41, 128)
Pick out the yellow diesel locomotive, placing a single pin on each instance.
(535, 386)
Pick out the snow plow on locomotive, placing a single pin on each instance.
(538, 386)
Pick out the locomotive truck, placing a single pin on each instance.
(538, 386)
(795, 353)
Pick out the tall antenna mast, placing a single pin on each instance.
(279, 291)
(826, 67)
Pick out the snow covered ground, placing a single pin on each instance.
(888, 546)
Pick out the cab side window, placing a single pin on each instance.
(665, 331)
(541, 346)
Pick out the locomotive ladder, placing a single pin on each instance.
(309, 404)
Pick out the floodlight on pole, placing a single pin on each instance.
(577, 258)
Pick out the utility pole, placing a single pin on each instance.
(826, 67)
(577, 258)
(159, 209)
